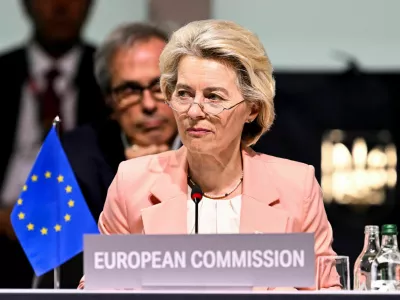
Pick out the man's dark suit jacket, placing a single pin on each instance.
(14, 73)
(94, 152)
(15, 271)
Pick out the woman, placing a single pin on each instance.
(218, 81)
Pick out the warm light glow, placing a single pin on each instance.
(391, 155)
(326, 155)
(356, 176)
(359, 153)
(392, 178)
(377, 158)
(341, 157)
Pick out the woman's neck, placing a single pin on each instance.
(217, 174)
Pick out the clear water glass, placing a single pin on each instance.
(333, 270)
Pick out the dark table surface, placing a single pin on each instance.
(181, 295)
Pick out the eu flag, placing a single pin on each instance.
(51, 215)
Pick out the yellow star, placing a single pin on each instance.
(57, 228)
(21, 216)
(25, 187)
(44, 231)
(67, 218)
(34, 178)
(60, 178)
(19, 202)
(30, 226)
(47, 174)
(71, 203)
(68, 189)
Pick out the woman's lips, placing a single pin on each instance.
(198, 131)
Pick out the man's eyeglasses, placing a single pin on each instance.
(209, 107)
(132, 92)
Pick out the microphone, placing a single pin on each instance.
(196, 195)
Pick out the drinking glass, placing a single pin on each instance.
(333, 269)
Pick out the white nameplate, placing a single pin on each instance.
(227, 260)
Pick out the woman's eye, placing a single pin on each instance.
(183, 94)
(214, 97)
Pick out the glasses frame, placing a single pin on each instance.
(202, 107)
(114, 91)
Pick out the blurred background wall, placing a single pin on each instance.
(305, 34)
(106, 14)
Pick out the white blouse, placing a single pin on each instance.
(215, 216)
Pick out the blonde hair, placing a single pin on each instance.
(236, 46)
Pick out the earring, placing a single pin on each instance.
(249, 121)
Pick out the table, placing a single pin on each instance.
(176, 295)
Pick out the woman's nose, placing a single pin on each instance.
(195, 110)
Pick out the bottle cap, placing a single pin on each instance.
(389, 229)
(371, 229)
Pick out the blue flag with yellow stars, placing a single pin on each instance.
(51, 215)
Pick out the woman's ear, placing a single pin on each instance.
(254, 111)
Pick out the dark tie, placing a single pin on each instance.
(50, 102)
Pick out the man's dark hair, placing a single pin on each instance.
(125, 35)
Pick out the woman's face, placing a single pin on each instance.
(210, 83)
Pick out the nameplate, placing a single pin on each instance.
(223, 260)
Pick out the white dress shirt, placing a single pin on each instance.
(28, 132)
(215, 216)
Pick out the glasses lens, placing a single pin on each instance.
(132, 92)
(156, 92)
(212, 108)
(180, 105)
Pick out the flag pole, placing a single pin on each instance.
(56, 271)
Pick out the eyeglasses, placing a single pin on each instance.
(209, 107)
(132, 92)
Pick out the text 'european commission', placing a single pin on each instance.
(198, 259)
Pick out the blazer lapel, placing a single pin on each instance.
(258, 214)
(169, 192)
(169, 213)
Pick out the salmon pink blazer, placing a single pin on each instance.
(149, 196)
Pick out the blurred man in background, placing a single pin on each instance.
(127, 71)
(52, 74)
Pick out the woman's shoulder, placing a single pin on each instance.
(147, 163)
(289, 176)
(281, 163)
(286, 170)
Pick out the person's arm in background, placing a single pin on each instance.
(5, 222)
(82, 152)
